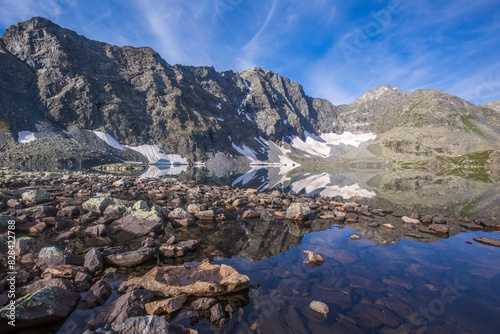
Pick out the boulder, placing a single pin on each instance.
(131, 304)
(35, 196)
(205, 280)
(179, 249)
(251, 214)
(53, 256)
(69, 211)
(49, 281)
(409, 220)
(298, 211)
(45, 305)
(99, 204)
(63, 271)
(137, 225)
(488, 241)
(202, 304)
(130, 258)
(206, 215)
(89, 217)
(98, 294)
(99, 230)
(151, 324)
(94, 260)
(165, 306)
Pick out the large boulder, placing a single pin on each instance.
(53, 256)
(99, 204)
(130, 258)
(49, 281)
(204, 280)
(35, 196)
(139, 225)
(96, 296)
(131, 304)
(94, 260)
(179, 249)
(151, 324)
(46, 305)
(298, 211)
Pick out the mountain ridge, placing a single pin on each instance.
(57, 83)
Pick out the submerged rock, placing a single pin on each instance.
(179, 249)
(320, 308)
(313, 258)
(488, 241)
(205, 280)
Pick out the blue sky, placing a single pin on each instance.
(336, 49)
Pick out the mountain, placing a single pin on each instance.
(72, 101)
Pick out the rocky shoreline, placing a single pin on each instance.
(85, 241)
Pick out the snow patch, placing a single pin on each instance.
(109, 140)
(26, 137)
(156, 155)
(219, 106)
(347, 138)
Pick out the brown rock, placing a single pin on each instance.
(205, 280)
(488, 241)
(165, 306)
(313, 258)
(63, 271)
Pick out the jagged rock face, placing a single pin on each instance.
(134, 95)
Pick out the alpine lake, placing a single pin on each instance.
(380, 274)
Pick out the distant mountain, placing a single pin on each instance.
(71, 100)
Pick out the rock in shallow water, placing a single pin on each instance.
(320, 308)
(488, 241)
(313, 258)
(205, 280)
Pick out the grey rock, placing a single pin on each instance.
(94, 260)
(98, 294)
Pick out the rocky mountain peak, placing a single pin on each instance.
(378, 93)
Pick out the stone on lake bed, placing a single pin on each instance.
(280, 214)
(355, 237)
(488, 241)
(313, 258)
(389, 226)
(150, 324)
(409, 220)
(320, 308)
(298, 211)
(173, 281)
(121, 182)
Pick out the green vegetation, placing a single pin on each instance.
(470, 166)
(469, 205)
(4, 124)
(469, 126)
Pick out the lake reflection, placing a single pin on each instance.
(408, 287)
